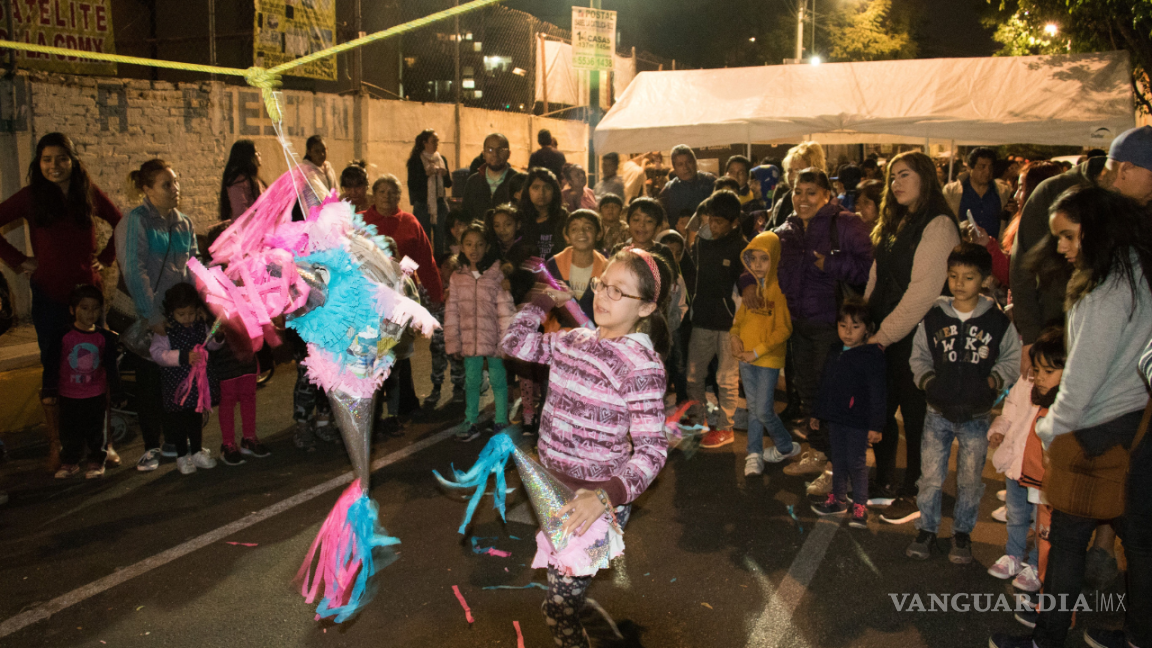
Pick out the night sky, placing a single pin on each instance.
(697, 32)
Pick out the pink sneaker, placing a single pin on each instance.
(1006, 567)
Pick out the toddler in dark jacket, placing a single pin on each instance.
(852, 404)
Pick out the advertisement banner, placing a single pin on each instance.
(289, 29)
(84, 25)
(593, 38)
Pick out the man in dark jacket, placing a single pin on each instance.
(689, 187)
(548, 157)
(489, 186)
(718, 266)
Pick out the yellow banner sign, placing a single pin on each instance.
(82, 25)
(289, 29)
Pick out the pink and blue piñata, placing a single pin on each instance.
(338, 285)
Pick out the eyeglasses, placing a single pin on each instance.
(496, 150)
(613, 292)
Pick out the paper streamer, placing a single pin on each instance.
(519, 635)
(537, 266)
(463, 604)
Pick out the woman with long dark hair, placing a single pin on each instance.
(59, 205)
(912, 239)
(428, 177)
(542, 212)
(1101, 401)
(241, 184)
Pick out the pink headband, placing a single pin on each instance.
(643, 254)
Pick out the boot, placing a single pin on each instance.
(52, 430)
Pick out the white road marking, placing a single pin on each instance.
(775, 623)
(42, 612)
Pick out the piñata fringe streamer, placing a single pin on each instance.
(345, 563)
(197, 379)
(493, 458)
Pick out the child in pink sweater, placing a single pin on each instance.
(476, 315)
(602, 428)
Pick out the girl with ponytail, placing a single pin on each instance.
(606, 386)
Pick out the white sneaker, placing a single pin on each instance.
(772, 455)
(149, 461)
(822, 485)
(1027, 580)
(203, 459)
(1000, 514)
(1002, 495)
(185, 465)
(1006, 567)
(753, 465)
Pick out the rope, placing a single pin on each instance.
(267, 80)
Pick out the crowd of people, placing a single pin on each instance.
(1018, 287)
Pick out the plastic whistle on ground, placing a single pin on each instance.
(345, 563)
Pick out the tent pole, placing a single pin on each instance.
(748, 151)
(951, 160)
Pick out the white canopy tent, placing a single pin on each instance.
(1076, 99)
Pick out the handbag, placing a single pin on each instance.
(1090, 487)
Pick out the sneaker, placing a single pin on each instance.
(859, 519)
(168, 450)
(112, 460)
(1001, 640)
(1100, 638)
(1005, 568)
(1028, 580)
(831, 505)
(203, 459)
(822, 485)
(1002, 495)
(772, 455)
(923, 546)
(230, 455)
(717, 439)
(185, 465)
(498, 428)
(457, 395)
(902, 511)
(470, 433)
(253, 448)
(1000, 514)
(1027, 618)
(1099, 569)
(811, 462)
(433, 398)
(881, 496)
(753, 465)
(961, 552)
(95, 471)
(149, 461)
(303, 438)
(67, 470)
(529, 429)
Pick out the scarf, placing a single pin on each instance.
(433, 162)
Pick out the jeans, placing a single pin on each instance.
(436, 231)
(705, 345)
(810, 344)
(185, 429)
(760, 394)
(473, 376)
(440, 358)
(1020, 515)
(237, 391)
(849, 457)
(935, 451)
(50, 318)
(675, 368)
(903, 395)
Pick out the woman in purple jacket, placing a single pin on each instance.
(822, 245)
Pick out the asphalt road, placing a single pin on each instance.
(713, 558)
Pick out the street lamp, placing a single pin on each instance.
(815, 60)
(1051, 29)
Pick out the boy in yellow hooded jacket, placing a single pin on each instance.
(758, 340)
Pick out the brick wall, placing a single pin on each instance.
(119, 123)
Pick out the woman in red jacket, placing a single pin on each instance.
(58, 204)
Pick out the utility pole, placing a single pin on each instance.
(800, 32)
(594, 115)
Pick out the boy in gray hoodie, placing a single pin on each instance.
(964, 353)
